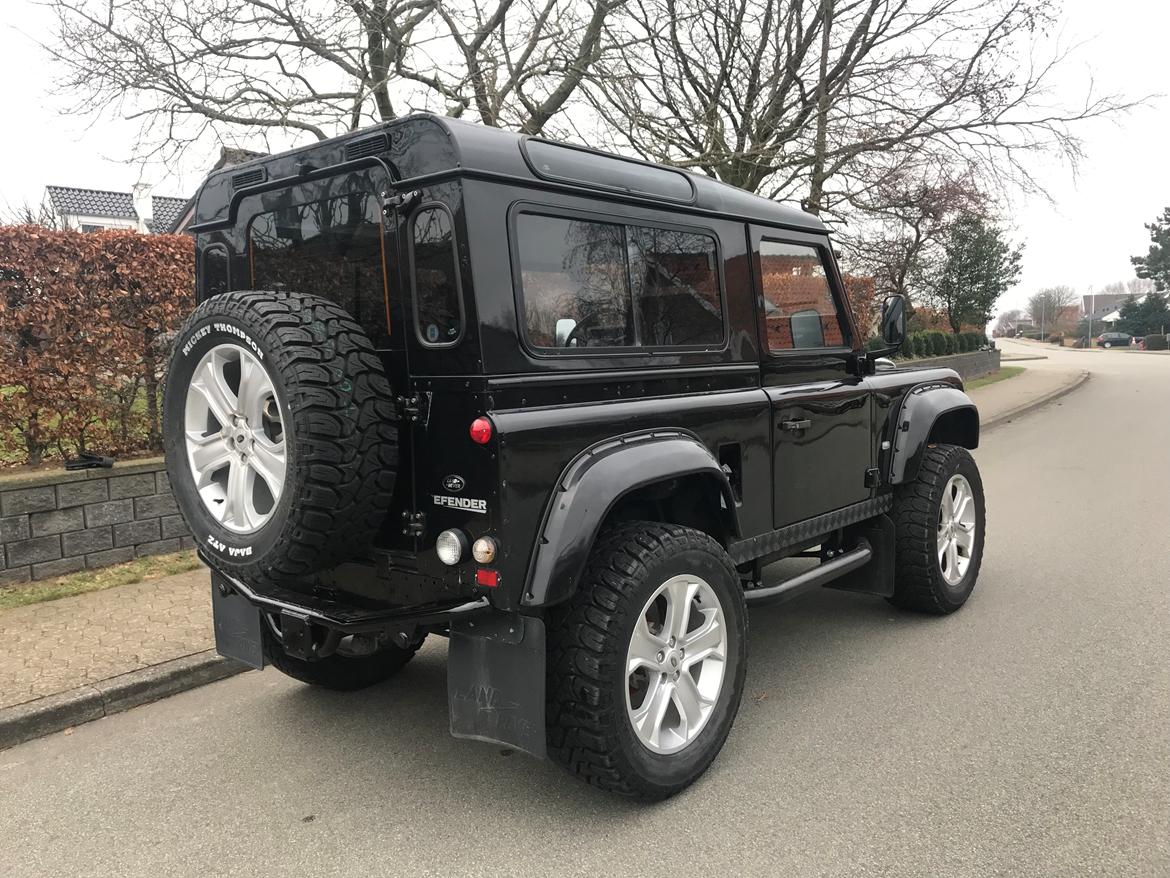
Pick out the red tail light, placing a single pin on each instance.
(481, 431)
(489, 578)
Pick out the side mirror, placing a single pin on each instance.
(565, 327)
(893, 321)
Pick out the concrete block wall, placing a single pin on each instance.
(969, 366)
(59, 522)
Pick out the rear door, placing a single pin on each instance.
(822, 415)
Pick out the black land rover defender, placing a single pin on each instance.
(558, 406)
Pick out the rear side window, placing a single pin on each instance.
(591, 284)
(331, 248)
(799, 310)
(214, 270)
(438, 305)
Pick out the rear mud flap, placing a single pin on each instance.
(495, 681)
(237, 624)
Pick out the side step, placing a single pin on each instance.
(822, 574)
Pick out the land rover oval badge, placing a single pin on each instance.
(454, 484)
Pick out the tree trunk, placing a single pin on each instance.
(816, 190)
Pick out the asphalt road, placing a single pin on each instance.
(1028, 734)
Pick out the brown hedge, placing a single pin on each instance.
(85, 324)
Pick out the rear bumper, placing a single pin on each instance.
(495, 663)
(347, 618)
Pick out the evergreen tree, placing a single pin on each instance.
(1155, 265)
(979, 266)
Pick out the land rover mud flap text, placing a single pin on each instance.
(495, 681)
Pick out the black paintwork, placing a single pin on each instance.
(768, 452)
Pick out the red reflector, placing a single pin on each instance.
(490, 578)
(481, 431)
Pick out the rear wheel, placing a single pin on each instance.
(647, 661)
(341, 672)
(940, 520)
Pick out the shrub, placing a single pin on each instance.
(921, 345)
(938, 343)
(1156, 343)
(86, 319)
(1056, 338)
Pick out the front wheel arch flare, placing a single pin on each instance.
(936, 413)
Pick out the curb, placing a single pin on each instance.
(43, 716)
(1036, 403)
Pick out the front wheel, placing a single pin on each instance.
(1107, 345)
(647, 661)
(939, 519)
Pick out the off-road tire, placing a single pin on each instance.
(919, 583)
(338, 672)
(589, 731)
(340, 427)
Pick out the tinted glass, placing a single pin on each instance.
(331, 248)
(798, 303)
(437, 312)
(214, 275)
(589, 284)
(675, 287)
(558, 162)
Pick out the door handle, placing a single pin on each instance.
(795, 426)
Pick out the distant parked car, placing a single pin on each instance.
(1114, 339)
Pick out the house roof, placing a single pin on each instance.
(92, 202)
(166, 212)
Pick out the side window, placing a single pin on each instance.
(589, 284)
(214, 271)
(676, 287)
(332, 248)
(799, 310)
(438, 306)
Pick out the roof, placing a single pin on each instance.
(92, 202)
(424, 144)
(165, 212)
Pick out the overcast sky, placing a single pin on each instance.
(1084, 237)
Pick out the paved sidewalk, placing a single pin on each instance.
(1015, 396)
(61, 645)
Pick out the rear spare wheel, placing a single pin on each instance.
(280, 433)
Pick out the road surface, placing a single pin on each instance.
(1027, 735)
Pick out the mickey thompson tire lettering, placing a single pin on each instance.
(340, 427)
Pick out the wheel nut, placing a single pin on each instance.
(661, 655)
(672, 641)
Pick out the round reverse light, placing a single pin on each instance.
(481, 431)
(451, 546)
(483, 550)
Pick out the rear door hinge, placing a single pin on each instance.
(409, 407)
(414, 524)
(873, 478)
(399, 201)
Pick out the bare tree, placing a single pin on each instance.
(29, 214)
(825, 101)
(264, 66)
(1053, 308)
(908, 220)
(1006, 322)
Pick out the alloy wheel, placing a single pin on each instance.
(956, 529)
(675, 664)
(235, 438)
